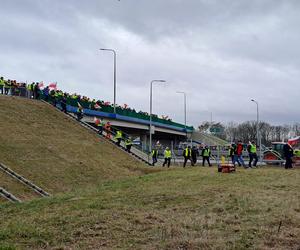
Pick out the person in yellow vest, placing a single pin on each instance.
(252, 154)
(128, 144)
(2, 85)
(154, 154)
(168, 156)
(206, 155)
(118, 137)
(187, 154)
(7, 86)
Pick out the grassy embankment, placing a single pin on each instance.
(194, 208)
(104, 202)
(55, 152)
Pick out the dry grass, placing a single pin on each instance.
(16, 188)
(55, 152)
(109, 204)
(194, 208)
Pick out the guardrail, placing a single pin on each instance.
(8, 196)
(23, 180)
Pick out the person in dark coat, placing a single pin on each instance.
(288, 153)
(195, 153)
(63, 103)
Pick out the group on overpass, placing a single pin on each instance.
(50, 93)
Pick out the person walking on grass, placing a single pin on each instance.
(239, 154)
(206, 155)
(288, 153)
(154, 155)
(195, 153)
(168, 156)
(252, 154)
(187, 154)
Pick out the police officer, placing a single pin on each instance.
(187, 154)
(167, 155)
(252, 154)
(206, 155)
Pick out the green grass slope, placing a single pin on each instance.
(53, 151)
(208, 139)
(194, 208)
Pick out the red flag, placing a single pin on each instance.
(96, 106)
(41, 85)
(53, 86)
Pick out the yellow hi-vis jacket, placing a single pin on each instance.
(168, 153)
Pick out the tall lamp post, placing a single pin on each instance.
(184, 94)
(257, 123)
(115, 75)
(150, 115)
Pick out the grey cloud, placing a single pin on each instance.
(222, 53)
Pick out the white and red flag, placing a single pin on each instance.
(53, 86)
(41, 85)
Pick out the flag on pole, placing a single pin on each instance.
(53, 86)
(79, 105)
(97, 106)
(41, 85)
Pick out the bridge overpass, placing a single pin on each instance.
(135, 127)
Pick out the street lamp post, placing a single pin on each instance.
(115, 75)
(184, 94)
(150, 115)
(257, 124)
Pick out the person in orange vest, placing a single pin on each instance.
(99, 125)
(107, 128)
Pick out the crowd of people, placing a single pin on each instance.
(235, 155)
(50, 93)
(37, 90)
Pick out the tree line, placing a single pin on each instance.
(246, 131)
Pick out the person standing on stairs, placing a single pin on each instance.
(118, 137)
(128, 144)
(107, 128)
(154, 155)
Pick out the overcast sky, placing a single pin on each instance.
(222, 53)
